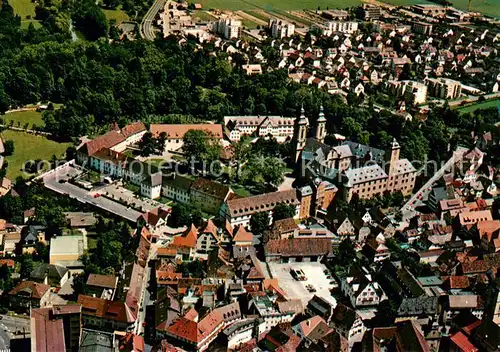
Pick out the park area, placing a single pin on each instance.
(30, 147)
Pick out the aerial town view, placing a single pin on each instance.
(235, 175)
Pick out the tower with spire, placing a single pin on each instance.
(300, 136)
(321, 126)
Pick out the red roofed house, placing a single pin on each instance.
(312, 330)
(242, 243)
(29, 294)
(56, 329)
(175, 133)
(297, 249)
(106, 315)
(208, 238)
(186, 243)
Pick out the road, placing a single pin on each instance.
(146, 27)
(423, 192)
(9, 326)
(53, 182)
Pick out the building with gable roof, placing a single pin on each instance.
(279, 127)
(360, 288)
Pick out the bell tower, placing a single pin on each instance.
(321, 126)
(392, 156)
(300, 133)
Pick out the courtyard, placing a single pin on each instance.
(316, 277)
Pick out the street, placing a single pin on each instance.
(146, 28)
(55, 182)
(9, 325)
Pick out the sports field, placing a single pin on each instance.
(483, 105)
(30, 147)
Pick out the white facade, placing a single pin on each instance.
(281, 29)
(228, 28)
(331, 27)
(277, 126)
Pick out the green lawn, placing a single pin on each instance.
(490, 7)
(23, 8)
(118, 15)
(482, 105)
(30, 147)
(203, 15)
(25, 24)
(31, 117)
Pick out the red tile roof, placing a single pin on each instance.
(107, 140)
(9, 262)
(47, 333)
(188, 239)
(35, 290)
(458, 282)
(178, 131)
(106, 281)
(242, 235)
(133, 128)
(462, 342)
(261, 202)
(299, 247)
(102, 308)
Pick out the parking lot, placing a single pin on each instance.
(315, 275)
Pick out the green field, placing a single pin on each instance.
(489, 7)
(483, 105)
(118, 15)
(23, 8)
(203, 16)
(30, 147)
(23, 117)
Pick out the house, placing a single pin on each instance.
(252, 69)
(102, 285)
(66, 251)
(466, 302)
(208, 238)
(297, 249)
(5, 186)
(29, 294)
(243, 243)
(348, 323)
(80, 219)
(175, 133)
(30, 236)
(50, 274)
(264, 305)
(424, 309)
(321, 307)
(103, 314)
(10, 242)
(312, 330)
(186, 243)
(359, 287)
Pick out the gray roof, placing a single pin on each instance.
(96, 341)
(361, 150)
(423, 305)
(364, 174)
(178, 181)
(51, 270)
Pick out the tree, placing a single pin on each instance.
(184, 215)
(264, 171)
(147, 145)
(346, 252)
(8, 146)
(259, 223)
(283, 211)
(26, 266)
(201, 147)
(90, 20)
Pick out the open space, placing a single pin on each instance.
(483, 105)
(30, 147)
(24, 8)
(118, 15)
(314, 272)
(30, 117)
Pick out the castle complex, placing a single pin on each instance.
(353, 167)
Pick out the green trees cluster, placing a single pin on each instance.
(201, 147)
(184, 215)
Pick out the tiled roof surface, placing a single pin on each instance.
(31, 288)
(106, 281)
(47, 334)
(261, 202)
(299, 247)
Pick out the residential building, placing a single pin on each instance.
(103, 314)
(444, 88)
(281, 29)
(312, 330)
(175, 133)
(80, 219)
(50, 274)
(228, 27)
(279, 127)
(56, 329)
(347, 323)
(177, 188)
(360, 288)
(331, 27)
(264, 305)
(29, 294)
(252, 69)
(208, 195)
(422, 28)
(413, 93)
(102, 286)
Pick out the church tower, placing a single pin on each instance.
(321, 126)
(392, 157)
(300, 133)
